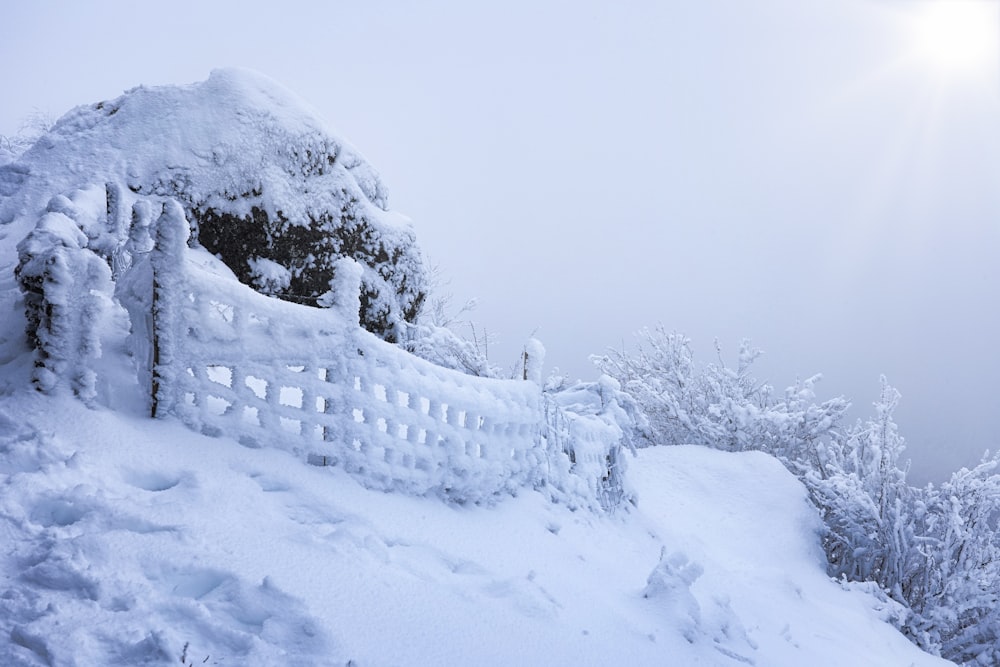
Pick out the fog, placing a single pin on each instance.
(780, 170)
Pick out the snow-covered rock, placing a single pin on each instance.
(267, 186)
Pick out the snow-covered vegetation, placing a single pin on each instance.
(935, 551)
(152, 245)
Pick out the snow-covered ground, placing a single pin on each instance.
(127, 540)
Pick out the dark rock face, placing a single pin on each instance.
(389, 293)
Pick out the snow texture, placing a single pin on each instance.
(133, 541)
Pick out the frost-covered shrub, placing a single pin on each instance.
(933, 551)
(66, 291)
(860, 488)
(32, 127)
(718, 406)
(8, 151)
(440, 335)
(956, 593)
(442, 346)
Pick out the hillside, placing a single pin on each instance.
(131, 540)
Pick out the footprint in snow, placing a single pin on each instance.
(527, 596)
(59, 511)
(269, 484)
(61, 566)
(154, 481)
(220, 615)
(84, 504)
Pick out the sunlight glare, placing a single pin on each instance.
(956, 36)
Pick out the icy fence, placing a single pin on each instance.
(227, 360)
(585, 422)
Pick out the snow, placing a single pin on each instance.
(269, 276)
(212, 139)
(131, 539)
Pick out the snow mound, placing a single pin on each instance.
(234, 133)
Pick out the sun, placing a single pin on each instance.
(955, 38)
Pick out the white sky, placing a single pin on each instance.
(773, 169)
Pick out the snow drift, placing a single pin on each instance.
(132, 541)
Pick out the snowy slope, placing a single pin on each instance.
(128, 539)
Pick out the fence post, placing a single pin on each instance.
(166, 260)
(534, 358)
(345, 291)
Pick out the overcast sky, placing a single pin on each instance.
(784, 170)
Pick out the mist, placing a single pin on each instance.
(774, 170)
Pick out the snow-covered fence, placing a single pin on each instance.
(590, 424)
(226, 359)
